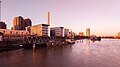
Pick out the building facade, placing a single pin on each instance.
(57, 31)
(27, 22)
(39, 30)
(88, 32)
(118, 34)
(66, 32)
(19, 23)
(81, 34)
(3, 25)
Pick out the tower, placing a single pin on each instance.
(48, 21)
(88, 32)
(18, 23)
(0, 10)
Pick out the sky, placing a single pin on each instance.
(101, 16)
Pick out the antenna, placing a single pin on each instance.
(0, 10)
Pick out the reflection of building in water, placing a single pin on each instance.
(87, 42)
(87, 53)
(87, 47)
(33, 54)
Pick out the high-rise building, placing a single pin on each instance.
(88, 32)
(2, 25)
(27, 22)
(19, 23)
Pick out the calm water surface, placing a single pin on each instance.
(105, 53)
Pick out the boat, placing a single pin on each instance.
(95, 38)
(70, 41)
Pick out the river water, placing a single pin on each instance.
(104, 53)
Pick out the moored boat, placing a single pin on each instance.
(95, 38)
(70, 41)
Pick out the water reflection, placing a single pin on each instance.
(33, 52)
(82, 54)
(86, 53)
(87, 46)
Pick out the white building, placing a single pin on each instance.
(57, 31)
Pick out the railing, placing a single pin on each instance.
(35, 40)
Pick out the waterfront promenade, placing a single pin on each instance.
(84, 53)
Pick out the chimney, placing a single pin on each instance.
(48, 18)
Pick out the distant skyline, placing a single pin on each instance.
(101, 16)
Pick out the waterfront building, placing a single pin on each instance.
(9, 32)
(39, 30)
(71, 34)
(28, 22)
(3, 25)
(19, 23)
(88, 32)
(66, 32)
(57, 31)
(81, 34)
(119, 34)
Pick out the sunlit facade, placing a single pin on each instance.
(39, 30)
(88, 32)
(19, 23)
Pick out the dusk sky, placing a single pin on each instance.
(101, 16)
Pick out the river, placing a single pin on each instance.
(104, 53)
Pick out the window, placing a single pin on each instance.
(22, 32)
(16, 32)
(11, 32)
(3, 31)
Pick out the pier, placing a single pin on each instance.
(29, 41)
